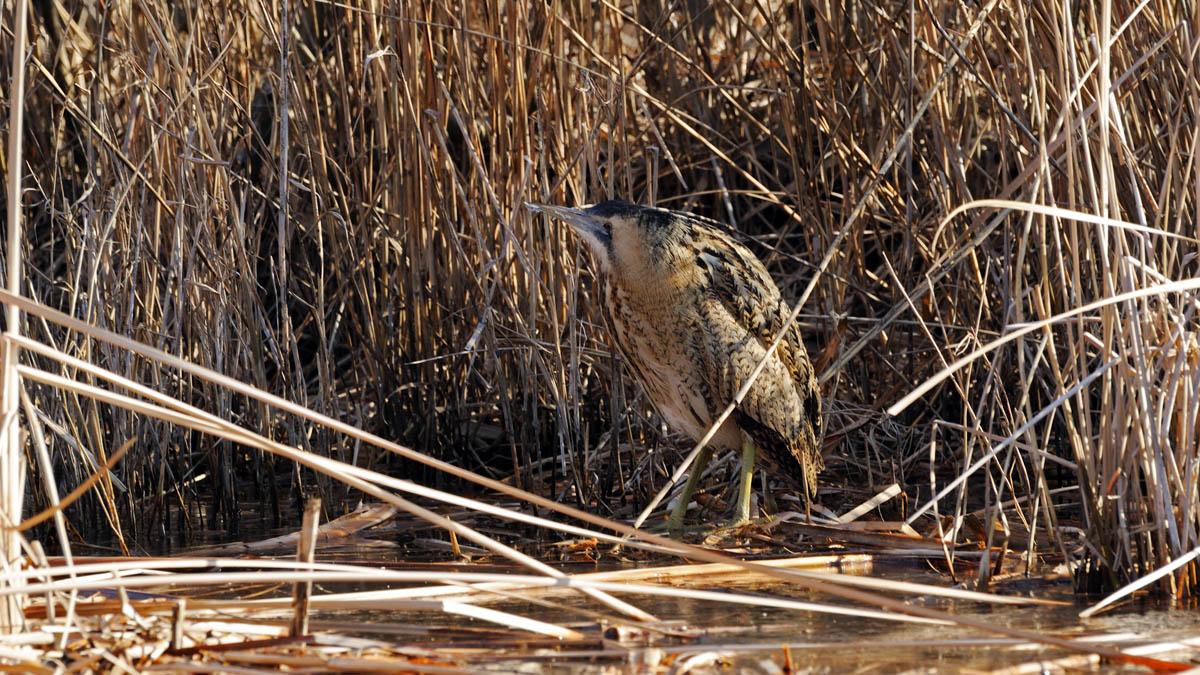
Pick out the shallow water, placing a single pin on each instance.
(735, 638)
(752, 638)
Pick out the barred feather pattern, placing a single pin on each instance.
(693, 336)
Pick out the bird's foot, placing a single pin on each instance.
(736, 529)
(707, 532)
(675, 527)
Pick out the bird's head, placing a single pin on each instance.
(630, 241)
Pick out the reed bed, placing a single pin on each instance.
(997, 199)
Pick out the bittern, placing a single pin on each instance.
(693, 312)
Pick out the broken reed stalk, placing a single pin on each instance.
(306, 548)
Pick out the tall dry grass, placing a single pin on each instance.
(400, 285)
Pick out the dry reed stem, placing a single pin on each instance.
(12, 455)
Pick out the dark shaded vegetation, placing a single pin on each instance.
(402, 287)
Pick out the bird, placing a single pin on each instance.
(692, 313)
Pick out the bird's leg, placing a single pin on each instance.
(675, 522)
(742, 515)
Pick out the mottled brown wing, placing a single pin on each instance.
(782, 410)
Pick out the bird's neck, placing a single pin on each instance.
(651, 291)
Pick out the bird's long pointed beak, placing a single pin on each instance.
(579, 219)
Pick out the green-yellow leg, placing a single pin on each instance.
(742, 515)
(675, 522)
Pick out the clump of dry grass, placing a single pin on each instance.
(401, 287)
